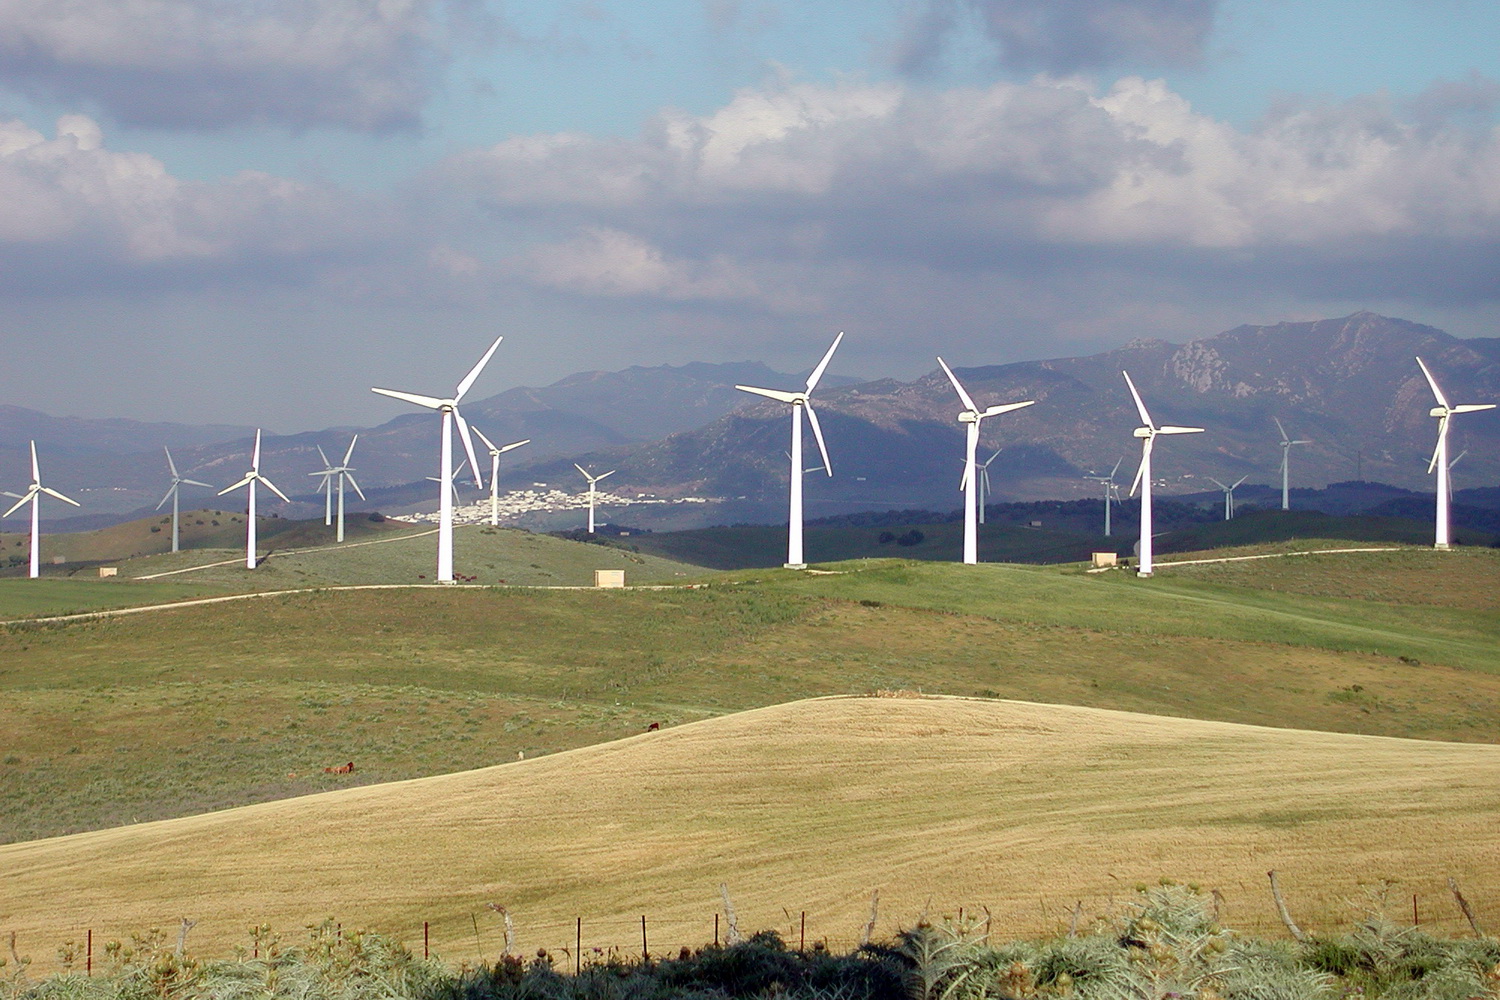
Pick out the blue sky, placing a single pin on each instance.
(251, 210)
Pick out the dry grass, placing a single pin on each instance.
(1020, 808)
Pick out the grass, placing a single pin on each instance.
(164, 714)
(1022, 809)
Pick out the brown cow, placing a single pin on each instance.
(341, 769)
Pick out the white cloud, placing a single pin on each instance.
(211, 63)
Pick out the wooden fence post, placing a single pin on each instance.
(1286, 918)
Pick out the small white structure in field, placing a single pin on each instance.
(1103, 560)
(105, 571)
(609, 578)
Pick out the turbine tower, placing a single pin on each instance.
(593, 482)
(1286, 450)
(1228, 494)
(343, 471)
(1111, 491)
(251, 478)
(973, 416)
(984, 481)
(448, 408)
(800, 401)
(495, 454)
(1444, 414)
(1147, 433)
(33, 495)
(177, 481)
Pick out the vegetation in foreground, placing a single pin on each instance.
(1167, 944)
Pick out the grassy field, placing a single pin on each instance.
(938, 804)
(168, 713)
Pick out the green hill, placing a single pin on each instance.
(170, 713)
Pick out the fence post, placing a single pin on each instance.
(88, 952)
(426, 938)
(716, 929)
(578, 949)
(1415, 922)
(802, 938)
(645, 952)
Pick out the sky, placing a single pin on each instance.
(251, 211)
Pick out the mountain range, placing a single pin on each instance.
(1349, 384)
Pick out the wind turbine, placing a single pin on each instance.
(1111, 491)
(1147, 434)
(33, 495)
(448, 408)
(325, 487)
(251, 478)
(1444, 413)
(1286, 450)
(800, 401)
(973, 416)
(343, 472)
(453, 482)
(593, 481)
(984, 481)
(1228, 494)
(495, 454)
(177, 481)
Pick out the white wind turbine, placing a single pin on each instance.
(1111, 492)
(800, 401)
(593, 484)
(326, 486)
(495, 454)
(251, 478)
(973, 416)
(343, 471)
(450, 415)
(984, 481)
(33, 495)
(177, 481)
(1444, 413)
(452, 482)
(1147, 434)
(1228, 494)
(1286, 451)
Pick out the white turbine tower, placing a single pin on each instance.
(251, 478)
(1111, 492)
(973, 416)
(177, 481)
(800, 401)
(1444, 413)
(495, 454)
(1147, 434)
(593, 484)
(33, 495)
(343, 472)
(1228, 494)
(984, 481)
(1286, 451)
(448, 408)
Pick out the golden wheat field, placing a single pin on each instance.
(937, 803)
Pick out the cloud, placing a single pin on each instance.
(1038, 180)
(80, 214)
(215, 63)
(1066, 36)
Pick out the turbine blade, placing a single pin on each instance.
(1140, 406)
(1145, 454)
(194, 482)
(611, 472)
(963, 480)
(1118, 462)
(812, 419)
(255, 455)
(231, 489)
(1442, 434)
(776, 394)
(468, 379)
(1218, 484)
(817, 372)
(326, 464)
(1173, 429)
(514, 445)
(1442, 400)
(463, 433)
(272, 487)
(995, 411)
(1472, 407)
(59, 496)
(1285, 437)
(1304, 441)
(21, 502)
(164, 499)
(1238, 481)
(962, 395)
(350, 453)
(350, 477)
(170, 464)
(487, 442)
(36, 471)
(431, 402)
(580, 469)
(993, 457)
